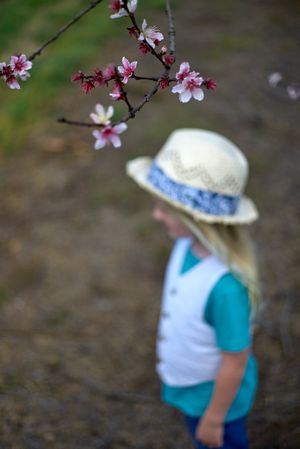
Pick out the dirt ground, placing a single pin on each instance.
(82, 263)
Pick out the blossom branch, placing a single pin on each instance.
(146, 98)
(148, 78)
(137, 28)
(188, 83)
(171, 33)
(79, 123)
(124, 95)
(71, 22)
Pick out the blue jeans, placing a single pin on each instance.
(235, 433)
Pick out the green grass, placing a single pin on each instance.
(24, 26)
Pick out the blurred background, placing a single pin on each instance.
(82, 262)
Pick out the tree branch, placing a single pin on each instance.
(146, 98)
(132, 18)
(172, 46)
(133, 110)
(78, 123)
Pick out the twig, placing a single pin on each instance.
(92, 5)
(149, 78)
(151, 92)
(172, 46)
(78, 123)
(146, 98)
(133, 21)
(124, 93)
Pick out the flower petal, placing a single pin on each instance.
(100, 143)
(198, 94)
(185, 96)
(99, 109)
(110, 112)
(120, 128)
(115, 140)
(125, 62)
(95, 117)
(132, 5)
(144, 25)
(184, 67)
(119, 14)
(150, 42)
(178, 89)
(96, 134)
(133, 65)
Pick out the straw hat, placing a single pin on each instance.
(201, 173)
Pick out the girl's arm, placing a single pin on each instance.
(211, 427)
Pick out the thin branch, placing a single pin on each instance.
(132, 18)
(78, 123)
(154, 78)
(146, 97)
(92, 5)
(124, 93)
(172, 34)
(157, 80)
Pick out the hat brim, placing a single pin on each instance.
(138, 170)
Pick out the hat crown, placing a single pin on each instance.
(204, 160)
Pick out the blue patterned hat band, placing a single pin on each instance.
(202, 200)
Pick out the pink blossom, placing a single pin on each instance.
(150, 34)
(87, 86)
(12, 82)
(209, 84)
(20, 65)
(117, 7)
(184, 71)
(168, 59)
(164, 83)
(18, 68)
(102, 117)
(109, 73)
(127, 69)
(78, 76)
(144, 48)
(98, 78)
(9, 76)
(189, 87)
(6, 70)
(109, 135)
(117, 94)
(133, 31)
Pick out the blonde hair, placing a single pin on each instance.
(233, 245)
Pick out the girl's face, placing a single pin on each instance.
(174, 226)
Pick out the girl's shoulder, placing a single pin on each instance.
(229, 284)
(229, 296)
(228, 311)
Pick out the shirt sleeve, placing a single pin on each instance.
(228, 312)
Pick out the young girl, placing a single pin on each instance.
(210, 292)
